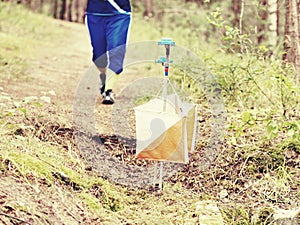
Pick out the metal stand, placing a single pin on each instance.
(160, 185)
(165, 61)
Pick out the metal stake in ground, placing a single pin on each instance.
(165, 61)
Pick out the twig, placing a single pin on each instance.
(15, 218)
(243, 166)
(259, 88)
(241, 16)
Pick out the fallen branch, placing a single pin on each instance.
(15, 218)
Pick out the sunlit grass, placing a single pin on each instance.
(21, 33)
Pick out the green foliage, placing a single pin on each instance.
(266, 159)
(173, 19)
(272, 129)
(262, 102)
(254, 81)
(237, 215)
(16, 20)
(265, 216)
(293, 144)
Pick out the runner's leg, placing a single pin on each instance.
(97, 30)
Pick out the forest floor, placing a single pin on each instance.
(55, 69)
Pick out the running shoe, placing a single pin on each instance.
(108, 97)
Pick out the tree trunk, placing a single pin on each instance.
(298, 10)
(273, 27)
(63, 9)
(70, 10)
(199, 2)
(291, 36)
(278, 19)
(28, 3)
(41, 6)
(148, 9)
(84, 10)
(236, 8)
(77, 11)
(33, 5)
(262, 28)
(55, 8)
(241, 16)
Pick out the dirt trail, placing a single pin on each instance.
(58, 66)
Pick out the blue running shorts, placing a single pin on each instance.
(109, 36)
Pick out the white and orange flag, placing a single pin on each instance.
(165, 129)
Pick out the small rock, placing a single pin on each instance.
(287, 217)
(223, 194)
(208, 213)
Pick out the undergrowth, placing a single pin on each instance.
(259, 161)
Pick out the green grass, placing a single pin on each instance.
(22, 31)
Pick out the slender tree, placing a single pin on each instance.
(77, 10)
(84, 9)
(34, 5)
(63, 9)
(55, 9)
(273, 26)
(291, 36)
(148, 8)
(41, 6)
(199, 2)
(241, 16)
(70, 4)
(262, 28)
(278, 18)
(298, 10)
(236, 8)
